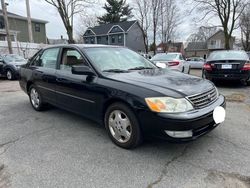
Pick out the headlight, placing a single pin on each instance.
(168, 104)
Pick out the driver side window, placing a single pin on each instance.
(71, 57)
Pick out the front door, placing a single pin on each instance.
(75, 92)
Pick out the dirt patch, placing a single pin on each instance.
(227, 180)
(236, 97)
(4, 177)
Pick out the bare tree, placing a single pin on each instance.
(203, 33)
(169, 19)
(228, 12)
(155, 7)
(67, 9)
(245, 28)
(143, 13)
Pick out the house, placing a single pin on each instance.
(202, 49)
(127, 33)
(58, 41)
(171, 47)
(18, 26)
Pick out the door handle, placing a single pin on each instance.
(62, 80)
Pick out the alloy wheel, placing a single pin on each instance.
(34, 97)
(9, 75)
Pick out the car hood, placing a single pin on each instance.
(166, 82)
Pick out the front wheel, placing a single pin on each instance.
(122, 126)
(35, 98)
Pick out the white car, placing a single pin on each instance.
(196, 62)
(174, 61)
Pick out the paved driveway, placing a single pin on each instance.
(59, 149)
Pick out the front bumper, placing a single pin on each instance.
(199, 121)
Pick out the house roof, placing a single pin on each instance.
(12, 15)
(105, 28)
(196, 46)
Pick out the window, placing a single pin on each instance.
(113, 39)
(70, 58)
(37, 27)
(86, 40)
(120, 39)
(47, 59)
(92, 41)
(99, 39)
(213, 42)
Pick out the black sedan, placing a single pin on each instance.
(10, 65)
(227, 65)
(122, 90)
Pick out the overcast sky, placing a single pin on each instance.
(55, 28)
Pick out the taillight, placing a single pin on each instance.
(207, 67)
(246, 66)
(173, 63)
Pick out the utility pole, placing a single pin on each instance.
(6, 23)
(29, 22)
(72, 16)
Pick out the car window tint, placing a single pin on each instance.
(47, 59)
(70, 58)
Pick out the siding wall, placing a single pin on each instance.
(22, 26)
(134, 39)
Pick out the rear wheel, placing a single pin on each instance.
(248, 82)
(35, 98)
(122, 126)
(9, 74)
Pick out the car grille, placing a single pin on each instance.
(203, 99)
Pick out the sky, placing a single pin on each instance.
(55, 28)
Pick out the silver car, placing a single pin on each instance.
(196, 62)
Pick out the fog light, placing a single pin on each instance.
(179, 134)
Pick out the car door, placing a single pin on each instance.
(44, 73)
(75, 92)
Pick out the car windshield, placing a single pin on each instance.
(228, 55)
(164, 57)
(13, 58)
(117, 59)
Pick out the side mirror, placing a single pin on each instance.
(161, 65)
(82, 70)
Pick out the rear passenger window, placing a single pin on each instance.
(47, 59)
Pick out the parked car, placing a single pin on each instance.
(227, 65)
(196, 62)
(174, 61)
(122, 90)
(10, 64)
(248, 53)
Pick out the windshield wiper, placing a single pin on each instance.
(115, 70)
(140, 68)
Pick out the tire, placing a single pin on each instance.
(248, 82)
(36, 98)
(122, 126)
(9, 74)
(183, 69)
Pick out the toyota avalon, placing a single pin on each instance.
(122, 90)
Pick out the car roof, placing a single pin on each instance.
(83, 46)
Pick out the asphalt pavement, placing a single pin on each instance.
(56, 148)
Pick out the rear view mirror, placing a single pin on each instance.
(82, 70)
(161, 65)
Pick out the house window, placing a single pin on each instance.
(87, 41)
(92, 41)
(213, 42)
(119, 39)
(99, 39)
(113, 39)
(1, 23)
(37, 27)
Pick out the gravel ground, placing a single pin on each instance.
(56, 148)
